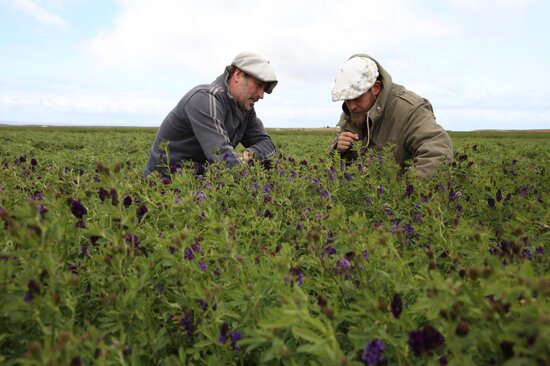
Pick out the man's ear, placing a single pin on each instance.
(377, 87)
(238, 73)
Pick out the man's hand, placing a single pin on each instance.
(247, 155)
(346, 140)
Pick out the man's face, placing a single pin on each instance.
(248, 90)
(359, 107)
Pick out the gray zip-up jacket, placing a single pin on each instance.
(207, 125)
(405, 119)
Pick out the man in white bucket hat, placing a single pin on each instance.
(212, 119)
(377, 112)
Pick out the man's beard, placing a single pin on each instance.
(359, 119)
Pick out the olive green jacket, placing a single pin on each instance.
(406, 120)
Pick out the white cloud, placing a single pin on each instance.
(39, 13)
(302, 38)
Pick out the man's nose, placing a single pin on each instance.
(261, 92)
(351, 105)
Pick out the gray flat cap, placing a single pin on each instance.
(258, 67)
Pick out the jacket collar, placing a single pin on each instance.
(221, 81)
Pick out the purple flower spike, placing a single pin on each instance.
(103, 194)
(425, 340)
(189, 254)
(223, 333)
(127, 201)
(187, 322)
(396, 306)
(343, 265)
(142, 210)
(235, 337)
(78, 209)
(409, 190)
(33, 289)
(203, 266)
(372, 354)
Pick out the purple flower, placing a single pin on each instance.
(142, 210)
(127, 201)
(372, 354)
(33, 289)
(425, 340)
(408, 230)
(199, 196)
(42, 209)
(187, 322)
(523, 190)
(84, 249)
(203, 266)
(379, 191)
(78, 209)
(540, 249)
(173, 166)
(196, 247)
(132, 239)
(527, 254)
(409, 190)
(330, 250)
(297, 272)
(103, 194)
(396, 306)
(491, 202)
(365, 255)
(235, 337)
(343, 264)
(203, 305)
(455, 195)
(189, 254)
(223, 333)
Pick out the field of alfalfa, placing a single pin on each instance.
(307, 262)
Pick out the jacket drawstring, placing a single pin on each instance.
(368, 132)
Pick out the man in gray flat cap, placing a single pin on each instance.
(212, 119)
(377, 112)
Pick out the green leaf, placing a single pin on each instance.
(306, 334)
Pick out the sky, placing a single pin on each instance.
(483, 64)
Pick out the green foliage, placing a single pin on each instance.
(304, 262)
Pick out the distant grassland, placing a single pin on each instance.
(87, 145)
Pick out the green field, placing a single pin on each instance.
(308, 262)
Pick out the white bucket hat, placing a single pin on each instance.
(258, 67)
(354, 79)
